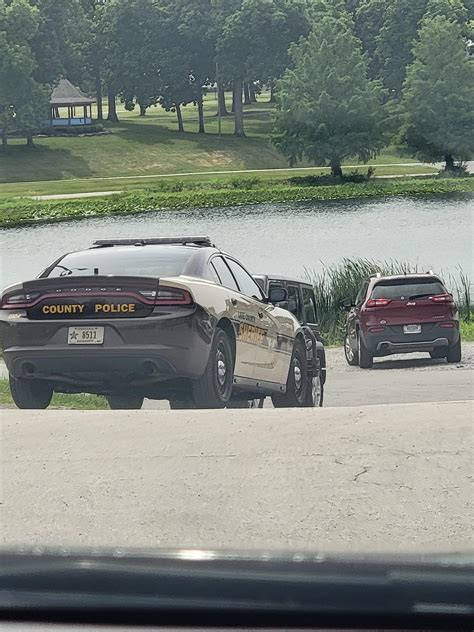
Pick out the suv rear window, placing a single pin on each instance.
(154, 261)
(407, 289)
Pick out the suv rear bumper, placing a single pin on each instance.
(386, 346)
(382, 343)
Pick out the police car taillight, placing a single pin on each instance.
(18, 301)
(168, 296)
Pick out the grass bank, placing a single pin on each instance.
(60, 400)
(176, 194)
(144, 146)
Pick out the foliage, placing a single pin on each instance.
(327, 108)
(23, 102)
(438, 95)
(20, 211)
(327, 179)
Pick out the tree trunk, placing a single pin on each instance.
(336, 170)
(98, 96)
(142, 109)
(179, 116)
(272, 93)
(246, 94)
(222, 110)
(29, 139)
(200, 105)
(4, 138)
(238, 115)
(112, 109)
(253, 96)
(232, 109)
(449, 162)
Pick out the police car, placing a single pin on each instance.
(170, 318)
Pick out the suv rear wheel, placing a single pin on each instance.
(297, 383)
(454, 352)
(214, 388)
(366, 359)
(30, 393)
(352, 356)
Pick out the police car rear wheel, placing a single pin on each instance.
(214, 388)
(30, 393)
(297, 384)
(125, 402)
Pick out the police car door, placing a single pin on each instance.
(262, 328)
(240, 310)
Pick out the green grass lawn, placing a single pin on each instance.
(151, 145)
(60, 400)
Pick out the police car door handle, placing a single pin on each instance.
(260, 314)
(233, 301)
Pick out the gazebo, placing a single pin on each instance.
(65, 95)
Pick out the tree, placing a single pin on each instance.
(438, 95)
(369, 17)
(23, 102)
(253, 43)
(327, 108)
(395, 41)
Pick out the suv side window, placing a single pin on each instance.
(223, 273)
(246, 283)
(309, 306)
(294, 302)
(362, 293)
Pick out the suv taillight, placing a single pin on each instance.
(378, 302)
(443, 298)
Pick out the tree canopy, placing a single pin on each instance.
(438, 94)
(327, 107)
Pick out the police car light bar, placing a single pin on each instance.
(195, 241)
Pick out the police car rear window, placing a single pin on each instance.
(402, 289)
(129, 261)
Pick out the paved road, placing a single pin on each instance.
(393, 380)
(361, 478)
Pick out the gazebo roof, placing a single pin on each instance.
(67, 94)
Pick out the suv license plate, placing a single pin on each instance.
(85, 336)
(412, 329)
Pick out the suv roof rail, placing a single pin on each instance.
(151, 241)
(429, 272)
(376, 275)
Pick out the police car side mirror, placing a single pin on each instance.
(277, 294)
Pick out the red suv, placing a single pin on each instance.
(401, 314)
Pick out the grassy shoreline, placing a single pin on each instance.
(176, 194)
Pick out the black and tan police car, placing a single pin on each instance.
(169, 318)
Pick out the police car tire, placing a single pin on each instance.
(125, 402)
(295, 396)
(214, 388)
(30, 393)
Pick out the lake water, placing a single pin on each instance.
(286, 238)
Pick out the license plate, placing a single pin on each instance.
(85, 336)
(412, 329)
